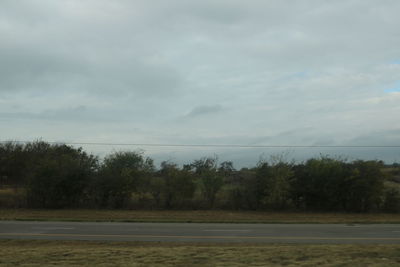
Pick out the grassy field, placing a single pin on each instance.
(83, 253)
(195, 216)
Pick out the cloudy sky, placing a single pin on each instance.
(203, 72)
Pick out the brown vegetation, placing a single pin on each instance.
(201, 216)
(81, 253)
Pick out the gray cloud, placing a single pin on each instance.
(204, 110)
(289, 72)
(79, 113)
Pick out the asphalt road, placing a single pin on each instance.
(204, 232)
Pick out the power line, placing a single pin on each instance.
(212, 145)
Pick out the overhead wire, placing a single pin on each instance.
(206, 145)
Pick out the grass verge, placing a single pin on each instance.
(210, 216)
(84, 253)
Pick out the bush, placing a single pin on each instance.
(391, 201)
(120, 175)
(60, 177)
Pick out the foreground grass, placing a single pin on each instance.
(84, 253)
(195, 216)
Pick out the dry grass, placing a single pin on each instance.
(195, 216)
(10, 197)
(84, 253)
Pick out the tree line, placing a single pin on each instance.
(44, 175)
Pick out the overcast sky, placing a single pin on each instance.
(203, 72)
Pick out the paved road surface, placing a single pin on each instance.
(204, 232)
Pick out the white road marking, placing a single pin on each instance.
(54, 228)
(226, 230)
